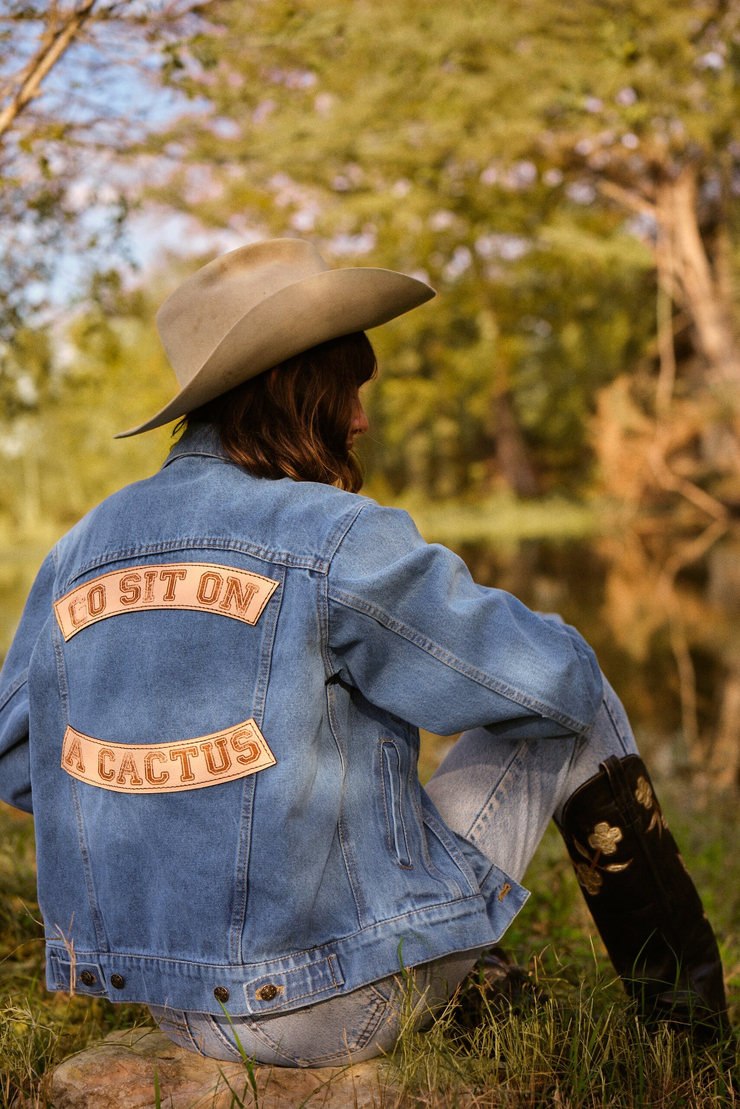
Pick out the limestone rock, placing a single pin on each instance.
(118, 1073)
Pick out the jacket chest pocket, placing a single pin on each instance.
(392, 781)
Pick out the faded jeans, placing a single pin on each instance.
(498, 794)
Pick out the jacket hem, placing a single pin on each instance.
(299, 979)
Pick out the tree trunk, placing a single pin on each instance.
(699, 281)
(703, 295)
(512, 455)
(724, 764)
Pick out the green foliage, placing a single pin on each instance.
(62, 458)
(37, 1029)
(570, 1038)
(468, 145)
(58, 455)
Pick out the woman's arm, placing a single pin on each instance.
(15, 774)
(413, 632)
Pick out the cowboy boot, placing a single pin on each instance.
(643, 900)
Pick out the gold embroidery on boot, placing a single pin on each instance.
(590, 879)
(644, 796)
(644, 793)
(657, 821)
(605, 838)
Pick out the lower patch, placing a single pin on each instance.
(167, 767)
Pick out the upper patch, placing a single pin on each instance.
(201, 586)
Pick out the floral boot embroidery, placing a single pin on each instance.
(605, 837)
(603, 840)
(644, 796)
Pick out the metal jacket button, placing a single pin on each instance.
(88, 978)
(268, 992)
(221, 993)
(117, 982)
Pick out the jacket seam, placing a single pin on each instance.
(322, 613)
(341, 528)
(415, 787)
(430, 828)
(13, 688)
(56, 946)
(198, 454)
(92, 900)
(241, 897)
(336, 731)
(425, 644)
(123, 554)
(95, 914)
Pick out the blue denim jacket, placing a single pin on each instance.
(224, 778)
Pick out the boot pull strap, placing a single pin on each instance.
(621, 789)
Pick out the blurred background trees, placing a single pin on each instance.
(567, 175)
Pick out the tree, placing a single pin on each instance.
(567, 174)
(61, 29)
(395, 135)
(72, 97)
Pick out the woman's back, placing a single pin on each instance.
(230, 811)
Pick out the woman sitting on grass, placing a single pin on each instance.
(212, 707)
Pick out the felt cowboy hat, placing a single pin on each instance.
(254, 307)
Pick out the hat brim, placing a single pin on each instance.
(313, 310)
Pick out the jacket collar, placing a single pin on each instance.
(199, 439)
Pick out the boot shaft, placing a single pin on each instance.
(642, 898)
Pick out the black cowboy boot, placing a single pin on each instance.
(643, 900)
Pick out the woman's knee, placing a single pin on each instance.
(611, 727)
(610, 734)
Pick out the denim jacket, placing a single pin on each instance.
(211, 706)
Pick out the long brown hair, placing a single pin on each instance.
(293, 420)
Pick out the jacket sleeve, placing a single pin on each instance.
(15, 771)
(411, 630)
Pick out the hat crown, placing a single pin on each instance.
(201, 311)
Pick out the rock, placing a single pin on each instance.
(118, 1073)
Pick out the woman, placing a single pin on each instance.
(212, 706)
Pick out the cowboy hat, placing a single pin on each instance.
(254, 307)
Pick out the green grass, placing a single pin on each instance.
(570, 1041)
(37, 1028)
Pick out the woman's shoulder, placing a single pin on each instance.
(293, 521)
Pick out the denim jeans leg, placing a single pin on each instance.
(501, 794)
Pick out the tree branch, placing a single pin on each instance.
(628, 198)
(675, 484)
(52, 48)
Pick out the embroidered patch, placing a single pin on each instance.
(200, 586)
(167, 767)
